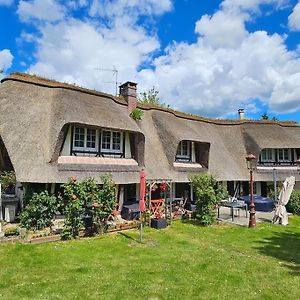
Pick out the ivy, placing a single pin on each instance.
(136, 114)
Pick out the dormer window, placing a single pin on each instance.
(184, 151)
(97, 142)
(277, 156)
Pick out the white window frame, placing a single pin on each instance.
(289, 154)
(268, 159)
(179, 151)
(85, 147)
(111, 150)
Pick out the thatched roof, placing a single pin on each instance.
(35, 112)
(229, 142)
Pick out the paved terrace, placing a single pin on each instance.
(240, 216)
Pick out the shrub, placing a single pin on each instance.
(8, 181)
(104, 206)
(39, 212)
(79, 197)
(208, 194)
(294, 204)
(136, 114)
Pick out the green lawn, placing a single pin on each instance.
(184, 261)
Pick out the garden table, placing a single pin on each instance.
(232, 205)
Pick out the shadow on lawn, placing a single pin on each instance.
(127, 236)
(191, 221)
(285, 246)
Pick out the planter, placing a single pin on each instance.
(159, 223)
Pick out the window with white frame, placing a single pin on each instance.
(184, 150)
(267, 155)
(111, 141)
(85, 139)
(284, 155)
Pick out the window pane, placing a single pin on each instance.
(105, 140)
(270, 154)
(79, 137)
(116, 143)
(184, 150)
(91, 138)
(286, 154)
(280, 154)
(263, 154)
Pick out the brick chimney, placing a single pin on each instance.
(128, 91)
(241, 113)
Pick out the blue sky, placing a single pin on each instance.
(204, 56)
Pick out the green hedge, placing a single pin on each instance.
(294, 204)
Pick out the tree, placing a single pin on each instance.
(151, 97)
(265, 116)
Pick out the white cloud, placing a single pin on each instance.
(294, 18)
(251, 5)
(43, 10)
(6, 2)
(215, 76)
(6, 59)
(75, 4)
(286, 94)
(113, 8)
(71, 51)
(222, 29)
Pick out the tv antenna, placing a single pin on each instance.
(115, 73)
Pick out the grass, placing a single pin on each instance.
(184, 261)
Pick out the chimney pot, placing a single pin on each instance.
(128, 91)
(241, 113)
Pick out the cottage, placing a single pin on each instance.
(50, 131)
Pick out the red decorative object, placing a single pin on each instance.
(142, 204)
(163, 187)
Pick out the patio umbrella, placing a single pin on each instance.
(280, 214)
(142, 204)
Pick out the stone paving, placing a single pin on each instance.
(240, 216)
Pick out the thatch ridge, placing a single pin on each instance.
(193, 117)
(51, 83)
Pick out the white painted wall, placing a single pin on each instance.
(67, 145)
(127, 146)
